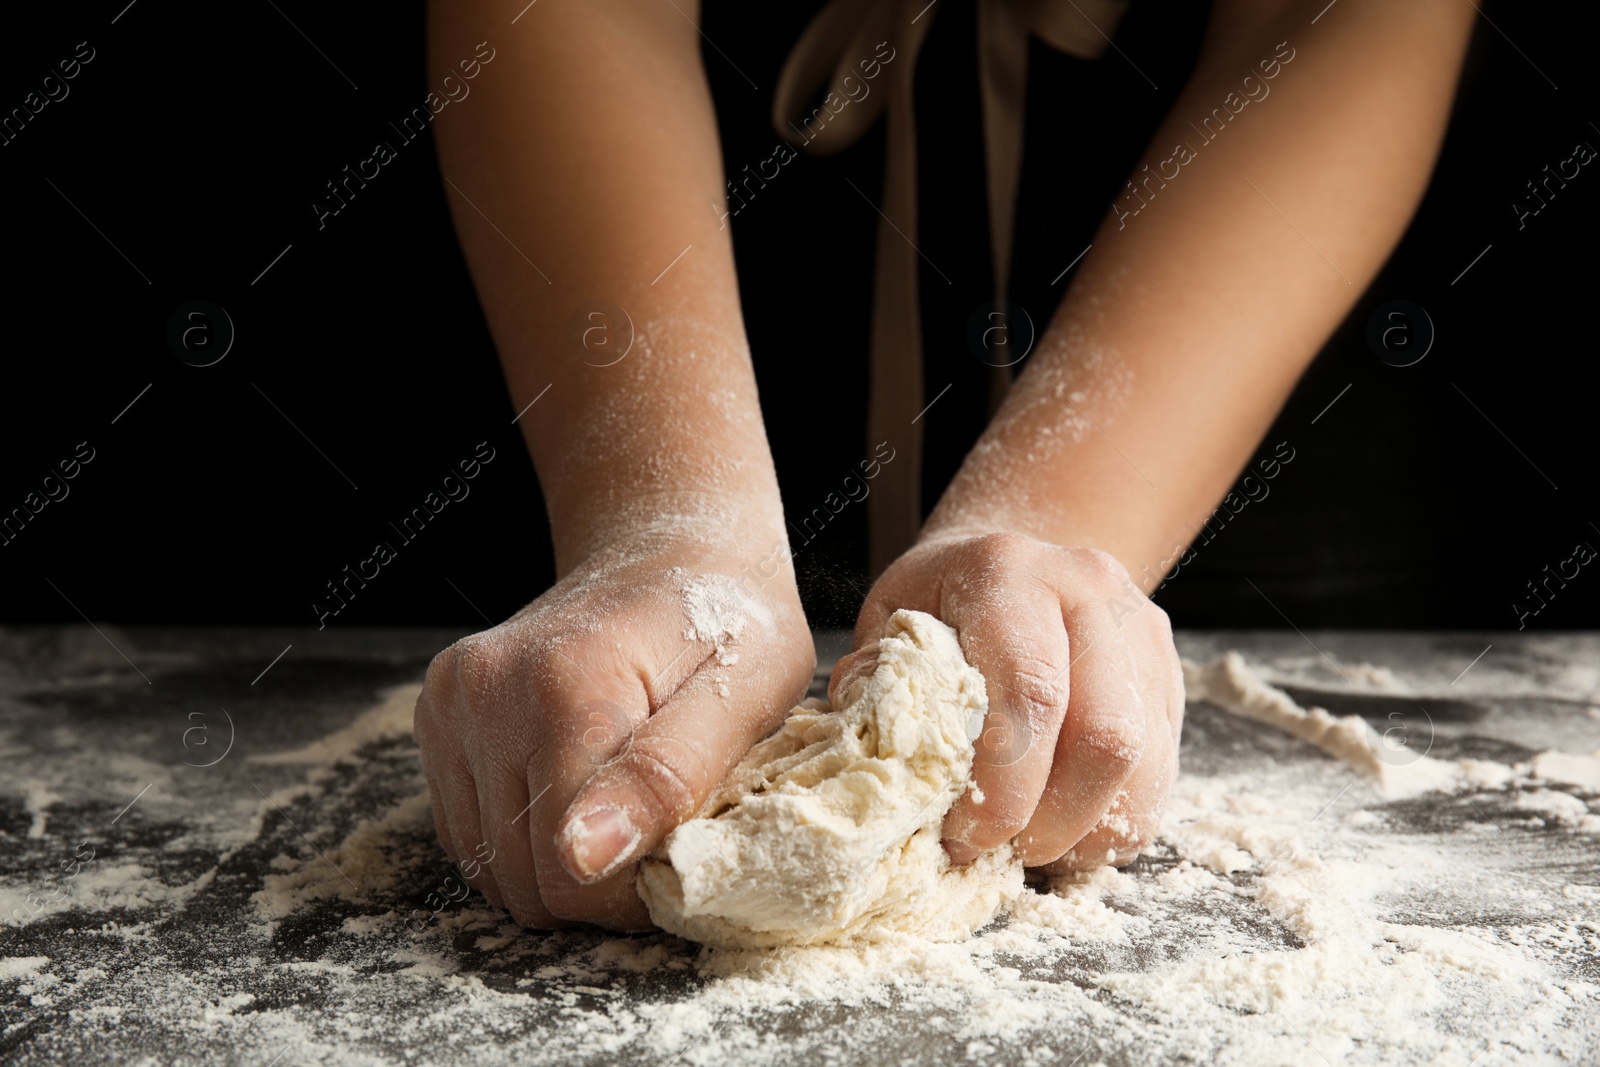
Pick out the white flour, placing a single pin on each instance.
(1292, 912)
(1229, 683)
(718, 610)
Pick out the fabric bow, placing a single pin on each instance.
(840, 45)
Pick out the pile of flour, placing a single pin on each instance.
(1295, 909)
(829, 830)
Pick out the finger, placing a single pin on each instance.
(1158, 654)
(427, 750)
(1115, 841)
(465, 823)
(1023, 652)
(441, 824)
(583, 739)
(1176, 698)
(1102, 742)
(883, 599)
(1133, 819)
(478, 874)
(900, 587)
(458, 807)
(504, 801)
(849, 670)
(672, 762)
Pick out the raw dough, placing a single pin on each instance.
(828, 831)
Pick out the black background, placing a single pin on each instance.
(197, 137)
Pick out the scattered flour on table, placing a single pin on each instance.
(1569, 769)
(37, 798)
(14, 967)
(1278, 920)
(1231, 685)
(1378, 679)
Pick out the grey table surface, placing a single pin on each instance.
(137, 831)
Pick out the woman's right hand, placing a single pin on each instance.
(574, 736)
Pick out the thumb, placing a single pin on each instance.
(850, 668)
(669, 766)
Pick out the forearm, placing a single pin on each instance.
(1205, 295)
(579, 169)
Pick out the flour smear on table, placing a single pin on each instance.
(1289, 913)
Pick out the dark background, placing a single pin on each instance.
(196, 138)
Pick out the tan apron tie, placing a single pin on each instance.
(832, 48)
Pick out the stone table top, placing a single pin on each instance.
(214, 850)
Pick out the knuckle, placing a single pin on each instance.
(1037, 686)
(1005, 545)
(1117, 741)
(438, 685)
(1173, 702)
(589, 736)
(479, 672)
(660, 767)
(428, 750)
(1099, 564)
(988, 559)
(425, 723)
(1006, 822)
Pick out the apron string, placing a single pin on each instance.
(842, 44)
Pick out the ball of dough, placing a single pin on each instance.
(828, 831)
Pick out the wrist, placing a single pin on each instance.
(954, 520)
(709, 527)
(970, 520)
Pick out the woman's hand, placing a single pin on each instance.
(572, 737)
(1085, 694)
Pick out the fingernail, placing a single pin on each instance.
(596, 844)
